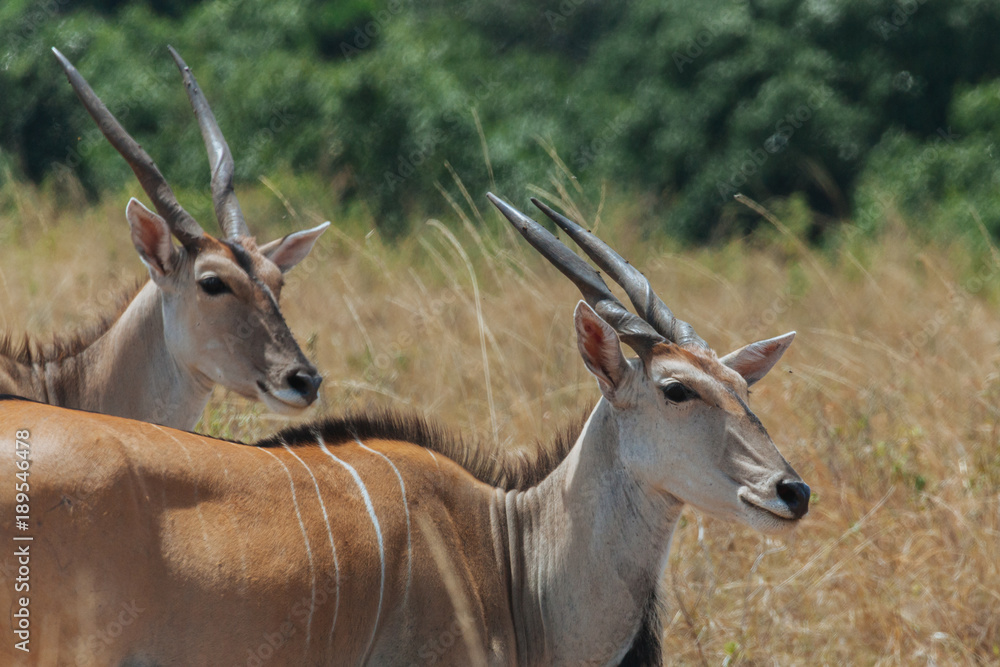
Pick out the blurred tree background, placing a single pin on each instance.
(840, 110)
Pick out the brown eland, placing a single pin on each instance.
(381, 539)
(208, 315)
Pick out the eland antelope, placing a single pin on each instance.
(209, 314)
(380, 539)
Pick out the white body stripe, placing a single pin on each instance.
(406, 509)
(302, 526)
(378, 534)
(436, 464)
(333, 547)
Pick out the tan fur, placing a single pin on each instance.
(157, 357)
(202, 536)
(275, 554)
(31, 350)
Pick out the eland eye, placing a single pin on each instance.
(213, 286)
(675, 392)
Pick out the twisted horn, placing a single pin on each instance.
(649, 306)
(227, 208)
(182, 225)
(632, 330)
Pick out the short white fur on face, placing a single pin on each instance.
(152, 365)
(230, 337)
(707, 449)
(226, 337)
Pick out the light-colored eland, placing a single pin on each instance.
(209, 315)
(379, 539)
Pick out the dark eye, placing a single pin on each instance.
(675, 392)
(213, 285)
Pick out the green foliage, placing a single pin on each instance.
(946, 182)
(844, 103)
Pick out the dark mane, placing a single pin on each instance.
(647, 646)
(30, 351)
(506, 469)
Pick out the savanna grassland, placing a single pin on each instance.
(886, 404)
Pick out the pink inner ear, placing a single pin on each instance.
(148, 237)
(594, 340)
(753, 361)
(152, 240)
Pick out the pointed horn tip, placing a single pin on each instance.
(63, 60)
(544, 208)
(504, 207)
(552, 215)
(518, 220)
(181, 65)
(569, 226)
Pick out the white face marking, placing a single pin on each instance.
(333, 548)
(378, 534)
(302, 526)
(406, 509)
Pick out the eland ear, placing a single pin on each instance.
(600, 348)
(753, 361)
(288, 251)
(152, 239)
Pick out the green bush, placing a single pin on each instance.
(944, 182)
(681, 103)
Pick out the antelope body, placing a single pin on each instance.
(380, 540)
(209, 315)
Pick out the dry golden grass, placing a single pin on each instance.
(887, 403)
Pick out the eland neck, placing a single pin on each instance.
(129, 371)
(587, 548)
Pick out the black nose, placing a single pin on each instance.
(796, 496)
(305, 382)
